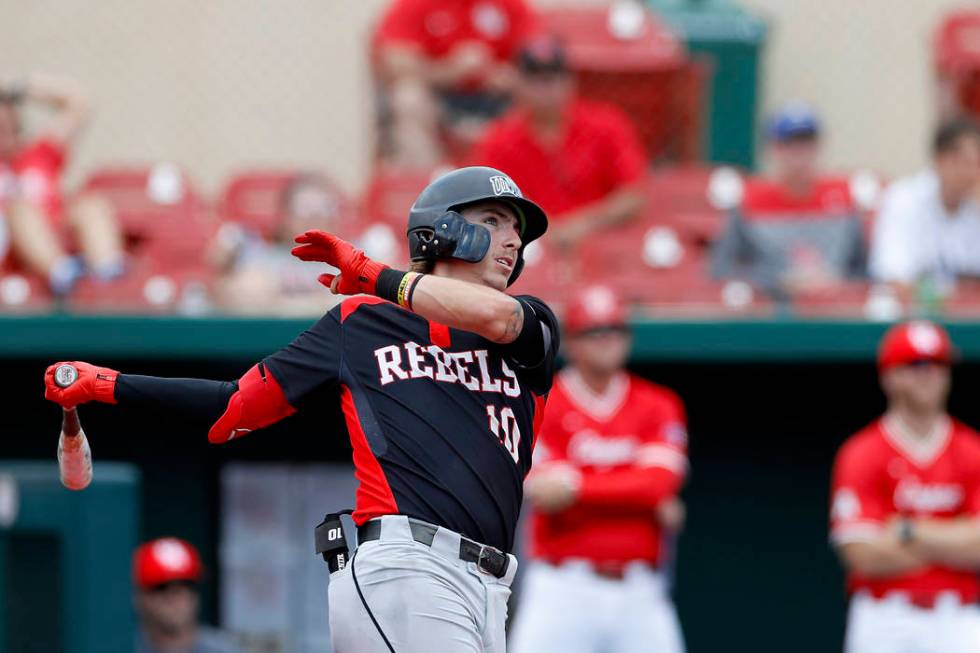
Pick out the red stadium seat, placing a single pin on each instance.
(957, 56)
(145, 197)
(846, 299)
(547, 274)
(678, 197)
(23, 293)
(644, 70)
(159, 210)
(390, 194)
(253, 199)
(146, 288)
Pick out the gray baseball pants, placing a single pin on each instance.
(424, 598)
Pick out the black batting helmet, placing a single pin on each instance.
(437, 230)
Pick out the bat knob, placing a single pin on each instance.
(65, 375)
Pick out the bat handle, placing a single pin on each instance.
(70, 425)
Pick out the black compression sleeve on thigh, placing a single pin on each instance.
(199, 400)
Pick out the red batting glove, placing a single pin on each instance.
(93, 384)
(358, 273)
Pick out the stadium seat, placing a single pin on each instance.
(678, 197)
(547, 274)
(847, 299)
(23, 293)
(390, 194)
(253, 199)
(630, 59)
(148, 287)
(145, 196)
(158, 208)
(957, 56)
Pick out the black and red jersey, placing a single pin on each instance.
(442, 421)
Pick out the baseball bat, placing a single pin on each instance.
(74, 453)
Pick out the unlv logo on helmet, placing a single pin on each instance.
(504, 186)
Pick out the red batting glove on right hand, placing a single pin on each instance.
(358, 273)
(93, 384)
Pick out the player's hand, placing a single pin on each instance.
(554, 487)
(93, 384)
(671, 515)
(358, 273)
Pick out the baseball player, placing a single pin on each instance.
(442, 378)
(611, 457)
(905, 514)
(166, 573)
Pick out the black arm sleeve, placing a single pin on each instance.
(536, 347)
(198, 400)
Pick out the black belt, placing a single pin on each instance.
(487, 558)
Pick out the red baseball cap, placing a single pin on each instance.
(166, 560)
(595, 307)
(910, 342)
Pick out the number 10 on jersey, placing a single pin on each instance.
(505, 429)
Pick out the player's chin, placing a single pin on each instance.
(497, 280)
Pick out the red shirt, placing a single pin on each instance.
(630, 447)
(767, 199)
(437, 26)
(38, 168)
(598, 153)
(880, 473)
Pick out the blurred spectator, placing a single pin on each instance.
(928, 229)
(798, 231)
(610, 459)
(445, 63)
(44, 232)
(258, 276)
(581, 161)
(166, 575)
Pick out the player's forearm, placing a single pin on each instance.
(881, 557)
(401, 62)
(72, 105)
(951, 543)
(470, 307)
(618, 207)
(643, 488)
(197, 400)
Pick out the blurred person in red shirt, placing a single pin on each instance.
(905, 508)
(167, 573)
(799, 229)
(580, 160)
(445, 63)
(610, 458)
(44, 229)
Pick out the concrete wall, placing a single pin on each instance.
(868, 67)
(224, 83)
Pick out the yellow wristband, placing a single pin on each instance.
(403, 288)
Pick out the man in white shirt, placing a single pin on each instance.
(928, 227)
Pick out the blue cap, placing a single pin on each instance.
(794, 119)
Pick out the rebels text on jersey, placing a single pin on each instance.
(442, 421)
(883, 472)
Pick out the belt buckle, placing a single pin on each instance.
(492, 560)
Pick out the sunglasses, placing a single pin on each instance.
(926, 362)
(174, 584)
(602, 331)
